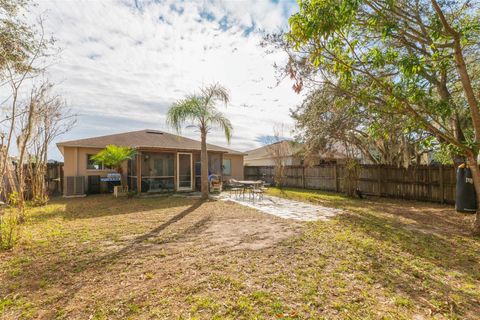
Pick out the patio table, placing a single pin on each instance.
(249, 183)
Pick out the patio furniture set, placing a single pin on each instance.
(251, 188)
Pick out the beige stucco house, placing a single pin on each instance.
(163, 162)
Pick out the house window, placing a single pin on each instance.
(91, 165)
(227, 167)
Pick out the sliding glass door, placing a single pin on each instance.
(184, 171)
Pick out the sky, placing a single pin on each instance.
(123, 63)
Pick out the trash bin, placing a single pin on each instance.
(465, 198)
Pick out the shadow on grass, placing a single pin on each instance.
(416, 263)
(96, 206)
(423, 250)
(66, 272)
(445, 252)
(431, 217)
(147, 236)
(431, 231)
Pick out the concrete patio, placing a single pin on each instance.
(283, 208)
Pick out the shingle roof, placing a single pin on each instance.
(144, 139)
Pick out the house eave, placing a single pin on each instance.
(147, 148)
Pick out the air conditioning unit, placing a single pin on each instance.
(74, 186)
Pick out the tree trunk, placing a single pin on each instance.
(123, 181)
(204, 165)
(472, 163)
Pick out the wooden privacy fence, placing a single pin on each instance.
(53, 180)
(433, 183)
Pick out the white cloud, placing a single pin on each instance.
(124, 62)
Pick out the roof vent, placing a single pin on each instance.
(154, 132)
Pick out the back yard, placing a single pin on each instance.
(175, 257)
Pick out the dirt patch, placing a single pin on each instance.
(235, 234)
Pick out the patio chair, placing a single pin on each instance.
(235, 187)
(265, 185)
(258, 192)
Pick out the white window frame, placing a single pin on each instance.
(101, 167)
(223, 167)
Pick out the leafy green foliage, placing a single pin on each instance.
(18, 39)
(9, 228)
(113, 156)
(330, 121)
(200, 110)
(394, 58)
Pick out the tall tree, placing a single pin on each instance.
(51, 118)
(201, 111)
(23, 49)
(328, 120)
(411, 59)
(16, 37)
(280, 150)
(42, 118)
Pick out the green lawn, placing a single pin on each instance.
(172, 257)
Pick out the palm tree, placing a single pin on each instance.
(200, 111)
(113, 157)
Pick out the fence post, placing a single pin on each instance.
(335, 176)
(429, 180)
(379, 180)
(303, 177)
(60, 180)
(442, 191)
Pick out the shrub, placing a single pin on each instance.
(39, 201)
(13, 199)
(9, 230)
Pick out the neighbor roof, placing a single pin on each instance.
(337, 151)
(144, 139)
(265, 152)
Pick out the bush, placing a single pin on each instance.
(8, 229)
(13, 199)
(39, 201)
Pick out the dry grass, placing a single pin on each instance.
(174, 257)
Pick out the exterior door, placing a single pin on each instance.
(184, 171)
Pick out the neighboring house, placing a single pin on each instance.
(163, 162)
(270, 154)
(290, 153)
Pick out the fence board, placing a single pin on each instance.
(433, 183)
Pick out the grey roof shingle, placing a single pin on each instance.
(144, 139)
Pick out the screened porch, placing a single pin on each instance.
(161, 172)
